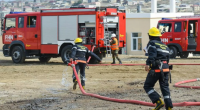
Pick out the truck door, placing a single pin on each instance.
(21, 28)
(166, 31)
(192, 35)
(31, 32)
(10, 30)
(179, 34)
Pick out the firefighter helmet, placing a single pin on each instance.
(78, 40)
(154, 32)
(113, 35)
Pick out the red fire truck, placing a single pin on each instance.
(181, 35)
(51, 32)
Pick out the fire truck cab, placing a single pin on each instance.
(51, 32)
(181, 35)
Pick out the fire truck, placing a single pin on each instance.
(51, 32)
(181, 35)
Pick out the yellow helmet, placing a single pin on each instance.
(154, 32)
(78, 40)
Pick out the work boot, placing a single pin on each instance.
(113, 63)
(169, 108)
(74, 86)
(159, 104)
(83, 87)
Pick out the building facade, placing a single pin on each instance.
(138, 25)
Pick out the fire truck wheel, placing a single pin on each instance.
(184, 55)
(172, 52)
(44, 59)
(65, 54)
(18, 55)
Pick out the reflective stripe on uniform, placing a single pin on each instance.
(166, 97)
(82, 78)
(115, 45)
(151, 91)
(80, 61)
(164, 70)
(150, 46)
(164, 61)
(74, 47)
(81, 50)
(160, 50)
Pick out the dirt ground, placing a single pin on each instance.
(37, 86)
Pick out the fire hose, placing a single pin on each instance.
(73, 63)
(187, 81)
(90, 56)
(139, 64)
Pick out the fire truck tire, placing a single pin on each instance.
(173, 52)
(184, 55)
(44, 59)
(65, 54)
(18, 55)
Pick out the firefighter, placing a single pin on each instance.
(114, 48)
(158, 70)
(79, 54)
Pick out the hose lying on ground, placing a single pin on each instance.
(139, 64)
(123, 100)
(187, 81)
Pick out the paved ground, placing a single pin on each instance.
(37, 86)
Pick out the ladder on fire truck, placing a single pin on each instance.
(106, 34)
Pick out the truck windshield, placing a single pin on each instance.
(165, 27)
(10, 23)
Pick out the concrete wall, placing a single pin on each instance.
(141, 25)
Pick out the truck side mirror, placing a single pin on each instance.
(2, 22)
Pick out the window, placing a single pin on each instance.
(136, 41)
(165, 27)
(177, 27)
(10, 23)
(191, 28)
(20, 22)
(31, 21)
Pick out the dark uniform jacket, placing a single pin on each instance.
(79, 53)
(157, 51)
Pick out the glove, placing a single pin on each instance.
(152, 73)
(147, 68)
(170, 67)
